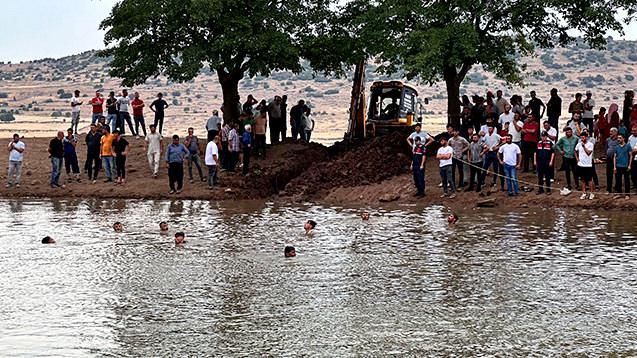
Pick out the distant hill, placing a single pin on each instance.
(42, 87)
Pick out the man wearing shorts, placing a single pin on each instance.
(584, 156)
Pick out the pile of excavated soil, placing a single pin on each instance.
(370, 162)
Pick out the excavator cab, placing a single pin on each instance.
(392, 105)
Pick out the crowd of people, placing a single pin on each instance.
(499, 137)
(230, 144)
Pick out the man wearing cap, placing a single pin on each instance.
(93, 161)
(543, 160)
(587, 116)
(213, 125)
(566, 146)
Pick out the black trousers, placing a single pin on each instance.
(247, 151)
(457, 165)
(159, 121)
(176, 175)
(277, 130)
(93, 165)
(544, 176)
(474, 174)
(212, 134)
(622, 175)
(120, 166)
(528, 149)
(225, 155)
(610, 172)
(259, 145)
(233, 159)
(633, 173)
(570, 165)
(126, 116)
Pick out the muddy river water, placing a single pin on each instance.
(530, 282)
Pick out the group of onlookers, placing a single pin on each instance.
(501, 137)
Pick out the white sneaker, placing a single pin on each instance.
(591, 196)
(583, 196)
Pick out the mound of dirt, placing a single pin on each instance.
(371, 162)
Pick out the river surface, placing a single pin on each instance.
(530, 282)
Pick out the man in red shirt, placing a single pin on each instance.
(98, 106)
(530, 131)
(138, 114)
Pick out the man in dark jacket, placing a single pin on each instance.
(93, 161)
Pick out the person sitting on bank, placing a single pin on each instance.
(48, 240)
(163, 227)
(309, 227)
(180, 238)
(289, 251)
(118, 227)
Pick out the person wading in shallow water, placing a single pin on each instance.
(180, 238)
(309, 227)
(289, 251)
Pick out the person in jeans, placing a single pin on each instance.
(124, 102)
(543, 160)
(212, 160)
(418, 166)
(233, 147)
(445, 156)
(56, 153)
(490, 153)
(611, 142)
(120, 152)
(138, 114)
(106, 153)
(460, 147)
(154, 147)
(70, 156)
(175, 155)
(530, 133)
(622, 162)
(192, 143)
(97, 103)
(510, 156)
(475, 157)
(111, 110)
(16, 156)
(566, 146)
(246, 142)
(93, 162)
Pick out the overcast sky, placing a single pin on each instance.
(34, 29)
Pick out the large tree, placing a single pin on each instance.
(177, 38)
(438, 40)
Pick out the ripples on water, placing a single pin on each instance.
(405, 283)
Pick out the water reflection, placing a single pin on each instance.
(528, 282)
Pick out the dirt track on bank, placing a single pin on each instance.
(367, 174)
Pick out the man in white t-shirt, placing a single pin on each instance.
(124, 102)
(507, 116)
(445, 156)
(425, 138)
(76, 104)
(212, 159)
(552, 132)
(584, 157)
(490, 152)
(16, 155)
(632, 140)
(515, 129)
(588, 116)
(509, 156)
(154, 149)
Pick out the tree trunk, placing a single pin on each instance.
(230, 88)
(452, 81)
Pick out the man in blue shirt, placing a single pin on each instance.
(246, 142)
(175, 155)
(622, 165)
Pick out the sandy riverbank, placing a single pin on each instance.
(370, 174)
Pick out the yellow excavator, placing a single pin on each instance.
(392, 106)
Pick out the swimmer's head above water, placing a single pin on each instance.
(365, 214)
(48, 240)
(452, 218)
(163, 226)
(309, 226)
(289, 251)
(118, 227)
(180, 238)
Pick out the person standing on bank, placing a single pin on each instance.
(138, 114)
(16, 156)
(97, 103)
(124, 102)
(70, 156)
(213, 125)
(584, 157)
(111, 110)
(154, 147)
(246, 142)
(93, 162)
(106, 153)
(543, 159)
(192, 143)
(510, 156)
(623, 161)
(159, 106)
(56, 153)
(260, 130)
(120, 152)
(175, 155)
(76, 105)
(418, 166)
(212, 161)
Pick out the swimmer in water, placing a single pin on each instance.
(309, 227)
(163, 227)
(118, 227)
(289, 251)
(180, 238)
(452, 218)
(365, 215)
(48, 240)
